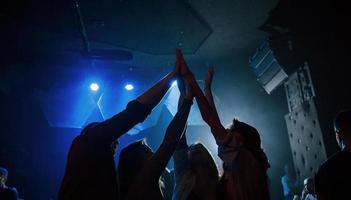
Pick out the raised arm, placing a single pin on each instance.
(206, 111)
(136, 111)
(208, 90)
(180, 156)
(182, 91)
(172, 136)
(154, 95)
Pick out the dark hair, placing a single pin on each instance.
(251, 140)
(205, 159)
(343, 120)
(250, 135)
(252, 149)
(131, 162)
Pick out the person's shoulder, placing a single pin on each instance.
(332, 162)
(336, 158)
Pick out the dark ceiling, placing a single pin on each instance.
(203, 27)
(47, 33)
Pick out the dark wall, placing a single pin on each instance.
(33, 152)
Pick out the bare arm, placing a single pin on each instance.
(153, 96)
(182, 90)
(172, 137)
(180, 155)
(136, 111)
(208, 90)
(207, 113)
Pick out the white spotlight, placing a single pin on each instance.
(94, 87)
(129, 87)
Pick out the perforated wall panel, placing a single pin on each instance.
(306, 139)
(305, 134)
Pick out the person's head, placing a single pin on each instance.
(251, 140)
(201, 161)
(308, 185)
(342, 127)
(250, 136)
(3, 176)
(131, 160)
(114, 144)
(203, 166)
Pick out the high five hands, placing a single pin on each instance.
(184, 69)
(185, 74)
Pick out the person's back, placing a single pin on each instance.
(90, 167)
(135, 168)
(332, 180)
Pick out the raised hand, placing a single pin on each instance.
(181, 85)
(184, 69)
(189, 91)
(176, 69)
(209, 78)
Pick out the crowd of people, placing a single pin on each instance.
(141, 173)
(90, 171)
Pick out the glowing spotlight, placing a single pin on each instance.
(174, 83)
(129, 87)
(94, 87)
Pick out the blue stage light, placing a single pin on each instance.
(129, 87)
(174, 83)
(94, 87)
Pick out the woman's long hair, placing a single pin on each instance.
(203, 158)
(131, 162)
(252, 154)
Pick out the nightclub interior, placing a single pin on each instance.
(203, 99)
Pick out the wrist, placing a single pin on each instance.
(188, 76)
(207, 88)
(188, 101)
(173, 74)
(189, 97)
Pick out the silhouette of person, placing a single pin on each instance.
(90, 169)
